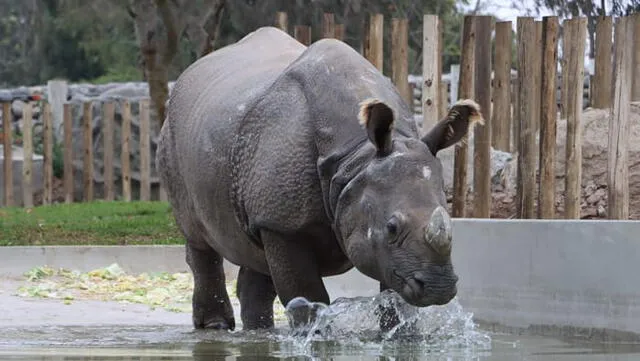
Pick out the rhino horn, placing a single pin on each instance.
(439, 231)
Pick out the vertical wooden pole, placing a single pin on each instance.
(87, 127)
(27, 149)
(466, 91)
(125, 161)
(68, 152)
(546, 187)
(145, 152)
(635, 75)
(399, 58)
(47, 119)
(282, 21)
(302, 33)
(430, 72)
(601, 86)
(575, 88)
(618, 168)
(340, 32)
(482, 134)
(501, 114)
(566, 48)
(526, 173)
(444, 100)
(7, 140)
(373, 49)
(328, 25)
(537, 79)
(107, 136)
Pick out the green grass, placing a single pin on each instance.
(94, 223)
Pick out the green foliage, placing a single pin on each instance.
(95, 41)
(96, 223)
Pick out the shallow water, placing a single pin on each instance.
(346, 329)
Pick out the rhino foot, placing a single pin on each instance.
(215, 325)
(256, 294)
(211, 305)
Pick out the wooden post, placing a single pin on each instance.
(281, 21)
(482, 134)
(501, 114)
(444, 101)
(145, 151)
(546, 187)
(328, 25)
(68, 152)
(7, 141)
(601, 86)
(575, 87)
(87, 127)
(107, 139)
(466, 91)
(566, 48)
(340, 32)
(430, 66)
(635, 75)
(57, 91)
(302, 33)
(126, 153)
(399, 57)
(526, 173)
(47, 119)
(618, 168)
(27, 162)
(374, 41)
(537, 79)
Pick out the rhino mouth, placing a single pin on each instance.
(417, 289)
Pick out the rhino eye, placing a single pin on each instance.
(392, 226)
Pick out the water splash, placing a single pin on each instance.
(356, 322)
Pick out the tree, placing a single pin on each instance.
(590, 9)
(159, 26)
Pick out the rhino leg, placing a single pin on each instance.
(293, 268)
(211, 305)
(256, 294)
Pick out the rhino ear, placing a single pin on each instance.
(459, 120)
(377, 118)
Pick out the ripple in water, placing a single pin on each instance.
(355, 321)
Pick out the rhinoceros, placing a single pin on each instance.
(299, 162)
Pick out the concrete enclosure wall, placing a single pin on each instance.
(574, 278)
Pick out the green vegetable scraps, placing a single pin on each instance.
(169, 291)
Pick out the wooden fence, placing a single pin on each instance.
(515, 112)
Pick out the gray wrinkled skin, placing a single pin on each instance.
(266, 164)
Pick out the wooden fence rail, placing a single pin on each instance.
(519, 106)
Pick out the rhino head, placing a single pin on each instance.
(391, 216)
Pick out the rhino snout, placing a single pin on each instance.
(438, 232)
(426, 288)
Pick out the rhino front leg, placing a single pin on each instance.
(211, 305)
(293, 268)
(256, 294)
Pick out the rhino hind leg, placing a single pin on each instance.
(211, 305)
(256, 294)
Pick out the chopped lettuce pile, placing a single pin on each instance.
(169, 291)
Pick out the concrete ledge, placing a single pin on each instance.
(568, 278)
